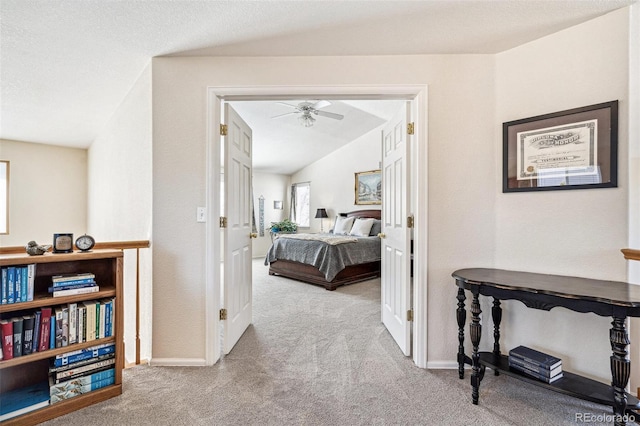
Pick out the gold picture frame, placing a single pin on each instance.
(368, 188)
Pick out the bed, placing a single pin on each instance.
(309, 259)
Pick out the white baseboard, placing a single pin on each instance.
(177, 362)
(443, 365)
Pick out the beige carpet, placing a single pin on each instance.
(314, 357)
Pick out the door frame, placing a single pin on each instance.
(216, 95)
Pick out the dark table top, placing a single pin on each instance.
(609, 292)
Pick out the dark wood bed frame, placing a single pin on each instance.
(310, 274)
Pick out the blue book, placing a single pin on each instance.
(534, 357)
(535, 375)
(11, 284)
(82, 354)
(24, 283)
(57, 284)
(107, 320)
(24, 400)
(5, 284)
(17, 277)
(72, 286)
(52, 336)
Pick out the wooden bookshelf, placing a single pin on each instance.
(18, 372)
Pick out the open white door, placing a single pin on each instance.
(237, 235)
(396, 237)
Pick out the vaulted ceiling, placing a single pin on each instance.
(66, 65)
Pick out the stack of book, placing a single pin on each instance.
(82, 371)
(17, 283)
(535, 364)
(73, 284)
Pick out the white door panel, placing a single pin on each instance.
(396, 285)
(237, 241)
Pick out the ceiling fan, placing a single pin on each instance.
(308, 110)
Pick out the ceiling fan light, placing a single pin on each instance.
(306, 120)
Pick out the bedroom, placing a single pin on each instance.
(330, 155)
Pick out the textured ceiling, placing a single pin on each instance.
(66, 65)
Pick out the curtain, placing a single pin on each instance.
(292, 206)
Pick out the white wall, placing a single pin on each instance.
(48, 192)
(462, 179)
(273, 187)
(119, 205)
(578, 232)
(333, 177)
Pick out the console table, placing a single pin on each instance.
(614, 299)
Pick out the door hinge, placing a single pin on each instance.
(410, 128)
(223, 222)
(223, 130)
(410, 315)
(223, 314)
(409, 221)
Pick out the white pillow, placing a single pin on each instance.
(343, 225)
(361, 227)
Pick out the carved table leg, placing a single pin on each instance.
(475, 330)
(620, 368)
(461, 315)
(496, 315)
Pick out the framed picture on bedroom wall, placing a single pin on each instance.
(571, 149)
(368, 188)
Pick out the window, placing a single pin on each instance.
(300, 203)
(4, 197)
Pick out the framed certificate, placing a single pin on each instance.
(572, 149)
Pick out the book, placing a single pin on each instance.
(82, 354)
(83, 370)
(52, 289)
(57, 314)
(76, 291)
(11, 284)
(81, 363)
(28, 324)
(535, 368)
(17, 284)
(52, 333)
(36, 331)
(5, 286)
(72, 277)
(6, 334)
(82, 314)
(535, 357)
(45, 329)
(72, 283)
(24, 283)
(24, 400)
(17, 336)
(31, 281)
(535, 375)
(90, 321)
(62, 396)
(73, 323)
(103, 317)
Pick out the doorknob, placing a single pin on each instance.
(381, 235)
(253, 235)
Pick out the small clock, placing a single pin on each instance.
(85, 242)
(62, 243)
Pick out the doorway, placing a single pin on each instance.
(217, 96)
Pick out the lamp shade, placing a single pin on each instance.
(321, 213)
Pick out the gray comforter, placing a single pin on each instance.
(329, 259)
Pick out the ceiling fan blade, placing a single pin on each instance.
(285, 114)
(320, 104)
(329, 115)
(289, 105)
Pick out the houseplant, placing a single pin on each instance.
(284, 226)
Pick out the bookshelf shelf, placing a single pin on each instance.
(23, 371)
